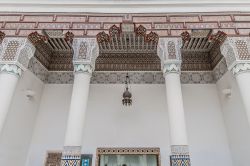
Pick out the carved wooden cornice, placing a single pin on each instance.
(54, 49)
(128, 48)
(2, 36)
(200, 50)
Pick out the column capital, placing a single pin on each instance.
(173, 66)
(15, 53)
(240, 67)
(169, 48)
(86, 50)
(236, 51)
(11, 68)
(83, 68)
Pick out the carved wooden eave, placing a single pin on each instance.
(127, 48)
(53, 49)
(200, 50)
(2, 36)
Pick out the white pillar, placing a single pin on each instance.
(241, 72)
(178, 135)
(9, 76)
(76, 117)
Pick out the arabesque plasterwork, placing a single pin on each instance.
(236, 51)
(15, 54)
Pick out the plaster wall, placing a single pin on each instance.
(18, 128)
(238, 129)
(145, 124)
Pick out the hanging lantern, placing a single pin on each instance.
(127, 96)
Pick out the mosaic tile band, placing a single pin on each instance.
(71, 156)
(180, 160)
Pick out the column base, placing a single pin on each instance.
(180, 155)
(180, 160)
(71, 156)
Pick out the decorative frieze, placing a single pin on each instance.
(38, 69)
(119, 77)
(220, 69)
(89, 24)
(71, 156)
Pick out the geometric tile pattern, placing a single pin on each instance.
(180, 160)
(71, 156)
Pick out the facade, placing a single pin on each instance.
(63, 72)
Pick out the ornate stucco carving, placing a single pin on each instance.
(86, 51)
(172, 67)
(16, 52)
(11, 68)
(236, 51)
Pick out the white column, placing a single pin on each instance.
(241, 72)
(9, 76)
(76, 117)
(178, 134)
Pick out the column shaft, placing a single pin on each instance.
(73, 138)
(178, 135)
(243, 80)
(175, 109)
(8, 84)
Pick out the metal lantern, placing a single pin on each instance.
(127, 96)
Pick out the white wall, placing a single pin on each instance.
(206, 130)
(109, 124)
(236, 121)
(18, 129)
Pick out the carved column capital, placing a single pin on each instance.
(240, 67)
(16, 52)
(169, 48)
(172, 67)
(83, 68)
(86, 51)
(236, 50)
(11, 68)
